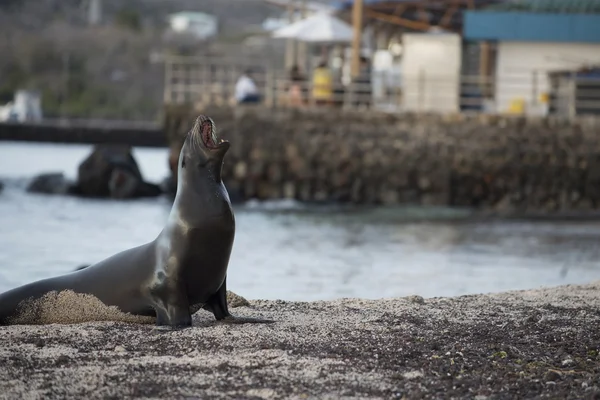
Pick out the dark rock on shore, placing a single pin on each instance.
(525, 344)
(51, 183)
(108, 172)
(169, 186)
(111, 171)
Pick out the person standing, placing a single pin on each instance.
(322, 82)
(296, 89)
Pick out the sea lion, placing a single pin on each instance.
(183, 269)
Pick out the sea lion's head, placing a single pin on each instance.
(202, 151)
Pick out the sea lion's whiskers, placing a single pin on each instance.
(196, 139)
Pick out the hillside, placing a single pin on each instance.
(105, 71)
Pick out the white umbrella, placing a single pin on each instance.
(319, 28)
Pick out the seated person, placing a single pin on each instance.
(296, 89)
(246, 90)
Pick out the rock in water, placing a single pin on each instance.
(111, 171)
(50, 183)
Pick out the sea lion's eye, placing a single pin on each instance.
(183, 163)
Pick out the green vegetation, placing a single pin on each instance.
(129, 19)
(500, 354)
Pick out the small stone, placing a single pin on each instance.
(412, 374)
(120, 349)
(567, 362)
(263, 393)
(62, 360)
(552, 376)
(193, 354)
(40, 343)
(416, 299)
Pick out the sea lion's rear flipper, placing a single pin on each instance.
(217, 304)
(245, 320)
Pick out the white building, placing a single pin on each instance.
(530, 45)
(198, 24)
(310, 8)
(431, 64)
(25, 107)
(522, 71)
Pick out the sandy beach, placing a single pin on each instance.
(528, 344)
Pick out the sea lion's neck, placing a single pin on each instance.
(197, 199)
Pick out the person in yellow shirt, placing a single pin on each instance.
(322, 84)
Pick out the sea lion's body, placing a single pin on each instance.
(183, 269)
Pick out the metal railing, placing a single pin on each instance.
(517, 93)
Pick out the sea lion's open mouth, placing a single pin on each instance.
(207, 130)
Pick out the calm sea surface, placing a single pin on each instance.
(284, 250)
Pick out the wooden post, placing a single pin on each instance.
(534, 87)
(421, 94)
(167, 95)
(357, 16)
(231, 81)
(573, 96)
(301, 58)
(484, 68)
(205, 86)
(290, 44)
(269, 100)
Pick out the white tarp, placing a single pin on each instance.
(319, 28)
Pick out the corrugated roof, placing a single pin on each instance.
(550, 6)
(343, 4)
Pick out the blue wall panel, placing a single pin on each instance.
(519, 26)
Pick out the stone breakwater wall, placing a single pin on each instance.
(492, 162)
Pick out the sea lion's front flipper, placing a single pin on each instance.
(217, 304)
(171, 304)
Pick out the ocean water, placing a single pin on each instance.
(286, 250)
